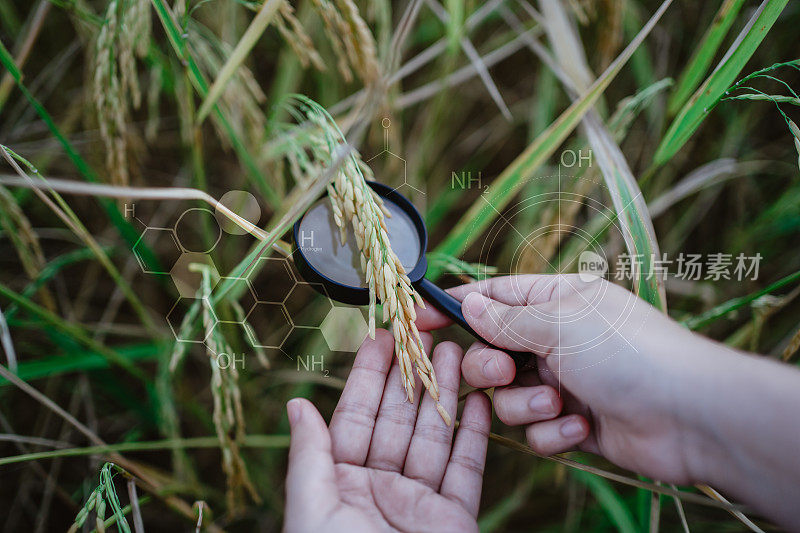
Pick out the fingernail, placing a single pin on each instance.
(571, 429)
(293, 411)
(474, 304)
(492, 371)
(541, 403)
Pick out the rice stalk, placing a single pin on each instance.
(420, 60)
(228, 415)
(149, 482)
(124, 35)
(209, 442)
(297, 38)
(475, 59)
(241, 99)
(354, 202)
(351, 39)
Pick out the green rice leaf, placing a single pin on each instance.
(704, 54)
(708, 94)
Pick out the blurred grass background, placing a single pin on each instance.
(194, 94)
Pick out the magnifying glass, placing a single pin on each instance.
(327, 263)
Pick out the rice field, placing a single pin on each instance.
(156, 154)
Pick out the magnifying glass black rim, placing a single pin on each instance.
(360, 295)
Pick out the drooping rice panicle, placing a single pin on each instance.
(124, 35)
(295, 35)
(350, 38)
(354, 202)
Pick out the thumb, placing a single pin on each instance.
(529, 328)
(311, 491)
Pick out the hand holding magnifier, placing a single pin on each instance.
(324, 260)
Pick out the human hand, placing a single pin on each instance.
(611, 374)
(385, 463)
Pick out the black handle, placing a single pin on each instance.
(448, 305)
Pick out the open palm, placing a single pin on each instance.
(386, 463)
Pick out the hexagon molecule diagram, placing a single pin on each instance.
(282, 304)
(344, 329)
(164, 243)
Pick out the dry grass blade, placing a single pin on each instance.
(7, 343)
(463, 74)
(421, 59)
(139, 193)
(475, 59)
(619, 478)
(136, 512)
(19, 230)
(35, 27)
(735, 512)
(792, 347)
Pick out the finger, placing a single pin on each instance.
(430, 445)
(354, 416)
(556, 436)
(310, 467)
(485, 367)
(429, 318)
(530, 328)
(526, 289)
(464, 475)
(511, 290)
(396, 418)
(525, 405)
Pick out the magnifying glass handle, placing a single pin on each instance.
(448, 305)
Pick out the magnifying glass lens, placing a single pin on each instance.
(319, 242)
